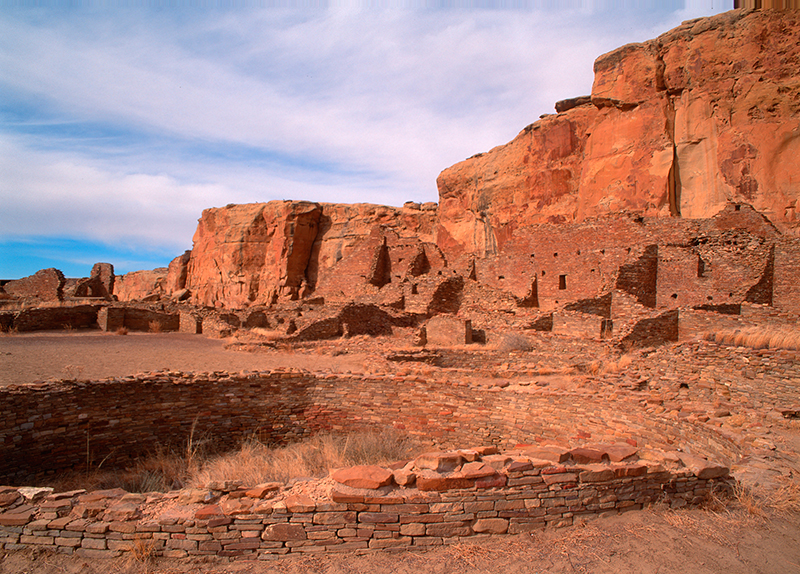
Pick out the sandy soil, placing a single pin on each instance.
(648, 542)
(26, 358)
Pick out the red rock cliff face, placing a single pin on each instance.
(704, 115)
(259, 253)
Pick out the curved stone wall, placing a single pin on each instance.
(56, 426)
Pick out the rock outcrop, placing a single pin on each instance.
(704, 115)
(284, 250)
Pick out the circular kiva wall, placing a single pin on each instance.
(51, 427)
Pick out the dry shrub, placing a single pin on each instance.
(154, 326)
(759, 338)
(255, 463)
(72, 371)
(513, 342)
(611, 367)
(122, 331)
(782, 499)
(144, 550)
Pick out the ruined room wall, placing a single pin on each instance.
(45, 427)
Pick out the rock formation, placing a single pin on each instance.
(704, 115)
(673, 185)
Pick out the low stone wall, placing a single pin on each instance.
(50, 318)
(446, 498)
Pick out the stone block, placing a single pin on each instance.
(365, 476)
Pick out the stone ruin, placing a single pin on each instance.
(660, 207)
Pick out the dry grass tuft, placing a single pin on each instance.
(758, 338)
(122, 331)
(513, 342)
(760, 501)
(255, 462)
(154, 326)
(73, 371)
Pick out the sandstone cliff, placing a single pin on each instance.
(704, 115)
(264, 252)
(671, 185)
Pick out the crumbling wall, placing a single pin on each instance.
(44, 285)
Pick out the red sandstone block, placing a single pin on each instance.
(18, 516)
(448, 529)
(337, 496)
(125, 527)
(391, 542)
(365, 476)
(181, 544)
(60, 523)
(378, 517)
(561, 478)
(94, 543)
(300, 503)
(422, 518)
(208, 511)
(334, 517)
(587, 455)
(284, 532)
(262, 490)
(90, 527)
(68, 542)
(248, 544)
(491, 525)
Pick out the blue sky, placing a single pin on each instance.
(120, 123)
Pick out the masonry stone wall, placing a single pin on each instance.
(786, 288)
(62, 425)
(493, 494)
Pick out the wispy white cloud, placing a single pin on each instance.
(123, 126)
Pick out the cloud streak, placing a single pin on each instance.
(121, 127)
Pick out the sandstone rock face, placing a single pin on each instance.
(260, 253)
(138, 285)
(674, 184)
(248, 253)
(705, 115)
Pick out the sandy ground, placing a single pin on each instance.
(651, 541)
(30, 357)
(647, 542)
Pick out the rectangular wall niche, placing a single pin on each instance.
(562, 282)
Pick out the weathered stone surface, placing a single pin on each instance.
(44, 285)
(368, 476)
(439, 461)
(300, 503)
(491, 525)
(141, 285)
(587, 455)
(446, 331)
(704, 115)
(703, 468)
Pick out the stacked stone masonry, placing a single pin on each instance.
(64, 424)
(458, 495)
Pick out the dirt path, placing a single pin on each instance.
(647, 542)
(26, 358)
